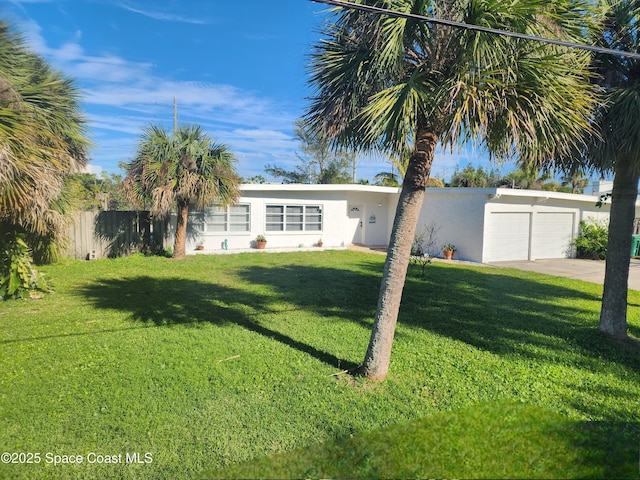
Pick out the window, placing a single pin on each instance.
(239, 218)
(313, 219)
(294, 218)
(216, 219)
(275, 218)
(235, 218)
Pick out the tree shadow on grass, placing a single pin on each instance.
(345, 295)
(612, 447)
(507, 314)
(177, 301)
(492, 440)
(497, 312)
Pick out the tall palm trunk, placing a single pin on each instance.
(376, 362)
(613, 315)
(179, 246)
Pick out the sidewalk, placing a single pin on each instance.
(587, 270)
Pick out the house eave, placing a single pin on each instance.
(301, 187)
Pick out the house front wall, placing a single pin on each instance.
(332, 206)
(490, 225)
(367, 218)
(485, 225)
(453, 215)
(349, 215)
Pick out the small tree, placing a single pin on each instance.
(87, 191)
(474, 177)
(525, 177)
(174, 170)
(318, 162)
(576, 179)
(425, 240)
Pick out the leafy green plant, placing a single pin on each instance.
(592, 240)
(16, 274)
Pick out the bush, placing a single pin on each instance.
(592, 240)
(425, 240)
(17, 277)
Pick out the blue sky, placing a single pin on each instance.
(238, 68)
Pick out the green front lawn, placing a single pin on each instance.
(496, 440)
(221, 359)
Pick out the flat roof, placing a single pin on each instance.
(355, 187)
(514, 192)
(304, 187)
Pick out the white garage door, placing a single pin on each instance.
(507, 236)
(552, 234)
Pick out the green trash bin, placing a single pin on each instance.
(635, 246)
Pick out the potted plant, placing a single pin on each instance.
(320, 243)
(261, 242)
(200, 245)
(448, 250)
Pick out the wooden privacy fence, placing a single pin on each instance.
(109, 234)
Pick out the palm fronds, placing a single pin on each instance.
(42, 139)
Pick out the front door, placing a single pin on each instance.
(356, 223)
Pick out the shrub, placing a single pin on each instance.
(592, 240)
(16, 274)
(425, 240)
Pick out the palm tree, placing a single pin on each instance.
(42, 140)
(383, 82)
(575, 178)
(399, 162)
(174, 170)
(617, 148)
(526, 177)
(386, 179)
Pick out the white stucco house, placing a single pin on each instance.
(485, 225)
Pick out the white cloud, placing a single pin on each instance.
(68, 52)
(121, 97)
(156, 15)
(268, 146)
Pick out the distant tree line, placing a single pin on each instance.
(531, 179)
(88, 191)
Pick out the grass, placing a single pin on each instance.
(219, 360)
(497, 440)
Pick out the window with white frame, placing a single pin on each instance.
(218, 219)
(293, 218)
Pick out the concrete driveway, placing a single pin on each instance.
(587, 270)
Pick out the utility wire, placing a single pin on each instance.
(422, 18)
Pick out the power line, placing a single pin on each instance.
(422, 18)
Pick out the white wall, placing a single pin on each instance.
(374, 215)
(333, 217)
(338, 228)
(458, 213)
(462, 215)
